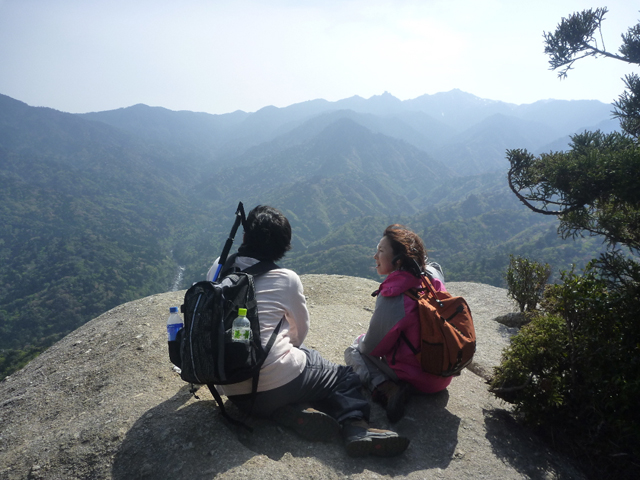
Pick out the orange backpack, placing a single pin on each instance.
(448, 338)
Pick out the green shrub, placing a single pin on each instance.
(575, 368)
(526, 280)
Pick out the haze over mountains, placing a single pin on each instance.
(437, 124)
(101, 208)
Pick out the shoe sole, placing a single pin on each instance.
(382, 446)
(389, 447)
(312, 425)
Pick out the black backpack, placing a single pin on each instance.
(203, 349)
(207, 352)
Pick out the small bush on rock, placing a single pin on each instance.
(526, 280)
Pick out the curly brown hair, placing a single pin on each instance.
(408, 250)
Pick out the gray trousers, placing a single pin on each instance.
(331, 388)
(371, 370)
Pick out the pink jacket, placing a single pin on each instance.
(396, 313)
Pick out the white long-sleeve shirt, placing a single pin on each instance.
(279, 294)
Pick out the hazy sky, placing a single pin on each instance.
(219, 56)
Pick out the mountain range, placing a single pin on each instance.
(105, 207)
(438, 124)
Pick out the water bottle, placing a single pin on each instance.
(174, 323)
(241, 329)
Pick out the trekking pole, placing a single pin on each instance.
(240, 218)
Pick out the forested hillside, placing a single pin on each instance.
(98, 209)
(88, 215)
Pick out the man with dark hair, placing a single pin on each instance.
(299, 388)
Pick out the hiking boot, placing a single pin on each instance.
(378, 396)
(309, 423)
(361, 440)
(392, 397)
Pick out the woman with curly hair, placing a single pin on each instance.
(381, 357)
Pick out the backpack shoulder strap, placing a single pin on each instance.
(260, 268)
(228, 266)
(254, 270)
(406, 340)
(412, 293)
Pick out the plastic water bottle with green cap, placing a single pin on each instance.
(241, 329)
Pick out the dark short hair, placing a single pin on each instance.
(407, 247)
(267, 234)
